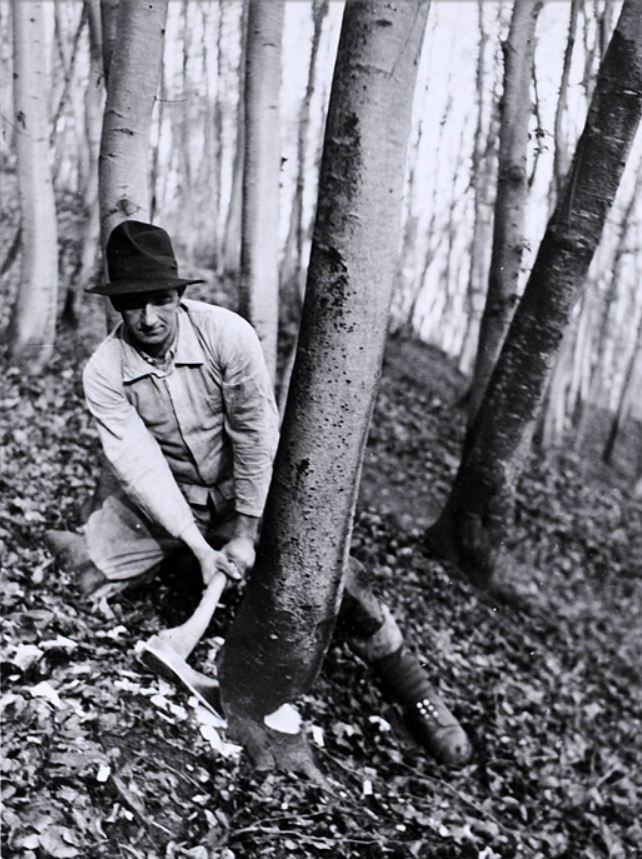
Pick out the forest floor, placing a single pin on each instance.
(103, 760)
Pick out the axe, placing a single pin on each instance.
(166, 653)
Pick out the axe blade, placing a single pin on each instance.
(158, 656)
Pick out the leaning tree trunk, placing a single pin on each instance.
(473, 525)
(259, 284)
(133, 80)
(512, 192)
(274, 650)
(32, 329)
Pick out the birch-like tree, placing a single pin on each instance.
(229, 259)
(292, 267)
(109, 31)
(259, 284)
(276, 645)
(512, 193)
(132, 84)
(627, 393)
(32, 328)
(94, 109)
(473, 524)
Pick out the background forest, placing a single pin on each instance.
(541, 649)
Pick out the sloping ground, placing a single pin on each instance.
(101, 760)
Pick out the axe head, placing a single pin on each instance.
(160, 658)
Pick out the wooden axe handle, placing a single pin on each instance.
(184, 638)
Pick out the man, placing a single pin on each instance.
(188, 424)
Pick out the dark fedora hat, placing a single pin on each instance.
(140, 258)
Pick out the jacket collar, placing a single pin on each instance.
(188, 350)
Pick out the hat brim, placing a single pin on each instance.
(130, 287)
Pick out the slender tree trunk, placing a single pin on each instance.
(624, 400)
(560, 156)
(291, 268)
(282, 631)
(408, 322)
(208, 172)
(32, 330)
(480, 180)
(133, 82)
(539, 130)
(186, 126)
(231, 244)
(512, 193)
(291, 271)
(608, 304)
(68, 65)
(94, 108)
(259, 285)
(475, 519)
(109, 29)
(582, 349)
(217, 140)
(157, 193)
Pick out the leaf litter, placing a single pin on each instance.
(101, 760)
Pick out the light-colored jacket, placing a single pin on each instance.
(206, 427)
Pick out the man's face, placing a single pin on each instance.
(151, 318)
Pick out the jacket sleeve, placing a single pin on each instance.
(133, 453)
(251, 417)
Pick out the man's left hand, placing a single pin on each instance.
(240, 550)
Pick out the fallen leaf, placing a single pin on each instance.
(25, 656)
(285, 720)
(45, 690)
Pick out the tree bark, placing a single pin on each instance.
(481, 171)
(259, 282)
(276, 646)
(512, 193)
(133, 80)
(474, 523)
(32, 329)
(626, 393)
(602, 371)
(109, 30)
(231, 244)
(560, 157)
(291, 270)
(94, 108)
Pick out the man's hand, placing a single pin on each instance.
(213, 562)
(240, 551)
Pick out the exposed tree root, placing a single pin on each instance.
(269, 749)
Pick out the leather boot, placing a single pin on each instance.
(405, 680)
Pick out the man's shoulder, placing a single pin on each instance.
(106, 359)
(200, 312)
(214, 320)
